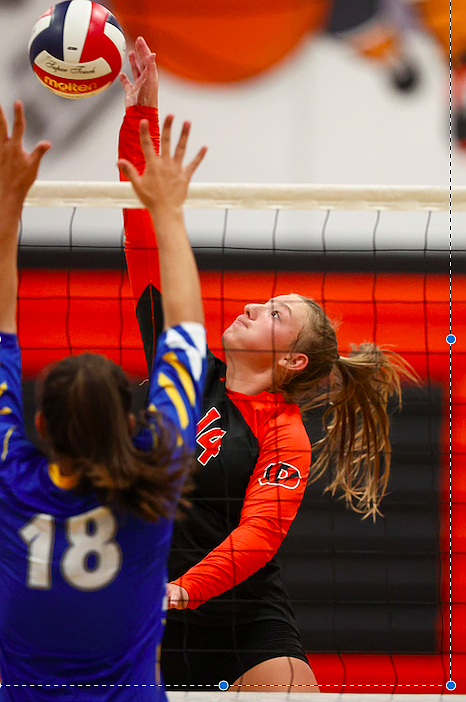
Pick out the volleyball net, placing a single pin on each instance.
(381, 607)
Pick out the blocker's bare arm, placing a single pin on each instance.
(18, 171)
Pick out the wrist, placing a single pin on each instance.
(11, 205)
(166, 212)
(145, 111)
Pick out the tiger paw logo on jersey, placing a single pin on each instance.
(282, 474)
(209, 439)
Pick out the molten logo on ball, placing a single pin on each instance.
(67, 89)
(77, 48)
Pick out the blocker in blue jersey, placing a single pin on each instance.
(85, 531)
(81, 586)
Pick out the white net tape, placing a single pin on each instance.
(256, 196)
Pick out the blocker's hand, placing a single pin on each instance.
(144, 90)
(177, 597)
(164, 184)
(18, 168)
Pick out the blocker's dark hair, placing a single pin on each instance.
(86, 402)
(355, 390)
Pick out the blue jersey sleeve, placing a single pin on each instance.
(177, 380)
(12, 432)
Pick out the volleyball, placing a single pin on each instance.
(77, 48)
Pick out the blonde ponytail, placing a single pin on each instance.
(356, 444)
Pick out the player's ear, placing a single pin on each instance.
(41, 424)
(294, 361)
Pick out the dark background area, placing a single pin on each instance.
(357, 585)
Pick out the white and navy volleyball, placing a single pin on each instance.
(77, 48)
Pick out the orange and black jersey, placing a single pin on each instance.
(254, 458)
(253, 461)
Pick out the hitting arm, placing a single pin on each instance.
(162, 189)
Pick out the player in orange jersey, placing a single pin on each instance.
(229, 614)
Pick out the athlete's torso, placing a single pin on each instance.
(228, 451)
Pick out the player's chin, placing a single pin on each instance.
(233, 337)
(230, 333)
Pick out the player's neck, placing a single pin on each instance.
(247, 378)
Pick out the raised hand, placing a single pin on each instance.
(18, 171)
(18, 168)
(144, 90)
(164, 184)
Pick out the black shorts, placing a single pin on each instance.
(202, 656)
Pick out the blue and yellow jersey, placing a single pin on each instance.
(81, 586)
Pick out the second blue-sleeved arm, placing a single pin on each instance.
(177, 380)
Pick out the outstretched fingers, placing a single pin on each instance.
(181, 150)
(19, 124)
(149, 150)
(36, 155)
(183, 140)
(134, 63)
(142, 47)
(191, 167)
(143, 51)
(3, 126)
(139, 81)
(128, 170)
(166, 136)
(125, 81)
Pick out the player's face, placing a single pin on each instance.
(270, 328)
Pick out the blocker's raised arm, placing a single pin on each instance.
(18, 171)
